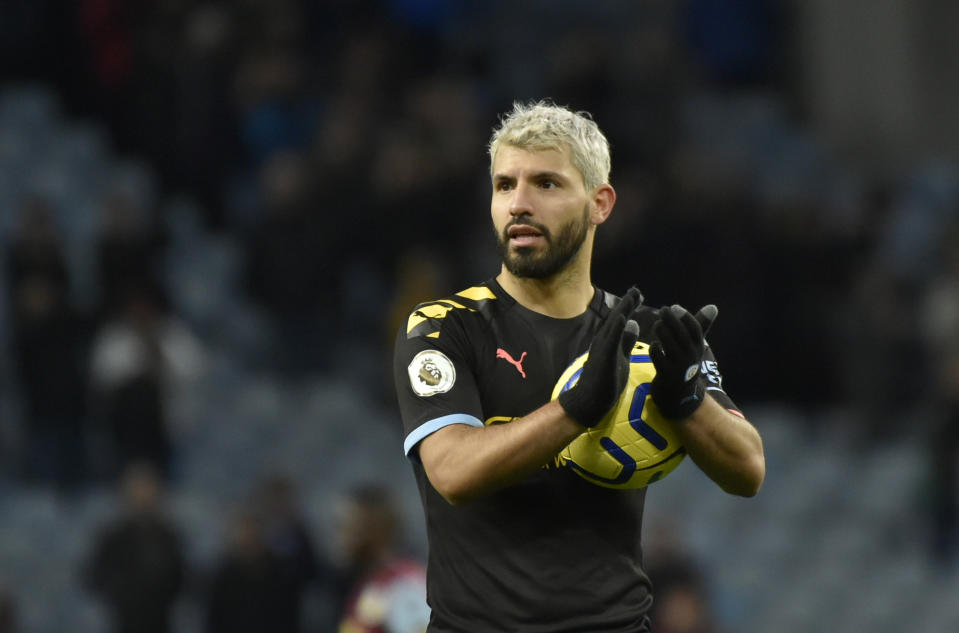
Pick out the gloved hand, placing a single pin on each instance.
(677, 352)
(606, 368)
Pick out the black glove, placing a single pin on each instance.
(606, 369)
(677, 353)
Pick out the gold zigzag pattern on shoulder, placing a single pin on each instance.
(477, 293)
(425, 319)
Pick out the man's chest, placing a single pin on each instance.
(520, 364)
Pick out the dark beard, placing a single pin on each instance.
(527, 263)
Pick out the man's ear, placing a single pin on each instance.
(603, 200)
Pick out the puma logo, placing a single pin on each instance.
(518, 364)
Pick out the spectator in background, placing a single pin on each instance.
(50, 346)
(291, 265)
(137, 566)
(128, 249)
(246, 593)
(207, 134)
(274, 112)
(36, 249)
(682, 602)
(939, 321)
(880, 308)
(8, 611)
(105, 30)
(387, 592)
(437, 127)
(286, 535)
(138, 358)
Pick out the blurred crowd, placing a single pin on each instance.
(340, 145)
(268, 571)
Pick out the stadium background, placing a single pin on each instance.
(297, 173)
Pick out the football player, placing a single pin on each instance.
(516, 541)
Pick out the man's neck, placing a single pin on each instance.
(562, 296)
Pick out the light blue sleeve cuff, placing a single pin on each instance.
(428, 428)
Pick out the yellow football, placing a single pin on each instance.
(634, 445)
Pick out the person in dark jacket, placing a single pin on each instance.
(138, 566)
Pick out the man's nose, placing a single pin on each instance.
(520, 203)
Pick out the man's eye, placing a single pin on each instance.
(547, 184)
(502, 186)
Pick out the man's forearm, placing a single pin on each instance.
(463, 462)
(726, 447)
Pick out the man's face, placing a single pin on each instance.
(540, 210)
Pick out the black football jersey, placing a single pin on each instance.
(552, 553)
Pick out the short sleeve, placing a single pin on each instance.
(435, 381)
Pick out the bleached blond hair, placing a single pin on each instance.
(543, 125)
